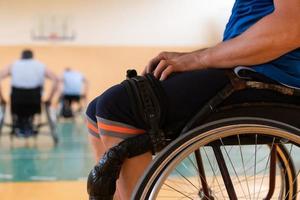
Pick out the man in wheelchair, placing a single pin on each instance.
(74, 90)
(261, 42)
(27, 81)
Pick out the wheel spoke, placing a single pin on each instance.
(178, 192)
(239, 143)
(197, 171)
(288, 192)
(255, 154)
(272, 146)
(231, 163)
(214, 173)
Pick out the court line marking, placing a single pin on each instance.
(44, 156)
(82, 178)
(6, 176)
(43, 178)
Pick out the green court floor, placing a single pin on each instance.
(71, 160)
(32, 172)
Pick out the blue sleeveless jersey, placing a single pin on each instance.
(245, 13)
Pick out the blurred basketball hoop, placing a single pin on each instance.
(53, 29)
(53, 36)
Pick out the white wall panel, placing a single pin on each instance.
(119, 22)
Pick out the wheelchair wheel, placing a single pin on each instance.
(52, 124)
(234, 158)
(2, 116)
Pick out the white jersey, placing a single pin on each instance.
(73, 83)
(28, 74)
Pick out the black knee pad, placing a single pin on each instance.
(102, 179)
(148, 101)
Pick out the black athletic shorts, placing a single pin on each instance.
(71, 98)
(26, 102)
(111, 113)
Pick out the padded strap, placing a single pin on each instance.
(148, 103)
(101, 184)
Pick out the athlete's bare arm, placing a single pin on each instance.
(268, 39)
(60, 87)
(85, 88)
(55, 81)
(3, 74)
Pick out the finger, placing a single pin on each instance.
(169, 70)
(160, 68)
(152, 64)
(155, 61)
(144, 72)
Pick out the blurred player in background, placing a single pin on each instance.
(27, 82)
(74, 90)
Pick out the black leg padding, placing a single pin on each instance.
(102, 179)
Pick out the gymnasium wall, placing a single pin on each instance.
(102, 65)
(111, 35)
(117, 22)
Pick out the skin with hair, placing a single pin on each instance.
(274, 35)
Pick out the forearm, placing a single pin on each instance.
(267, 40)
(85, 88)
(3, 74)
(53, 90)
(60, 88)
(55, 83)
(1, 93)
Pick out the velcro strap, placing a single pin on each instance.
(147, 102)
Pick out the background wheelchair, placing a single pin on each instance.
(243, 144)
(70, 106)
(34, 123)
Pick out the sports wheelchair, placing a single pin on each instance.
(243, 144)
(33, 123)
(66, 108)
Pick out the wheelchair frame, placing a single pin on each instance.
(50, 122)
(77, 111)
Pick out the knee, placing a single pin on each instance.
(114, 115)
(113, 103)
(91, 110)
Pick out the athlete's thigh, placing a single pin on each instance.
(187, 92)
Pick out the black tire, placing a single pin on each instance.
(285, 160)
(2, 116)
(52, 125)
